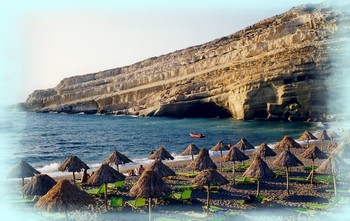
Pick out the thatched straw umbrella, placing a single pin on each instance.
(73, 164)
(243, 145)
(161, 154)
(162, 169)
(322, 136)
(286, 143)
(150, 185)
(307, 136)
(117, 158)
(64, 197)
(208, 178)
(202, 161)
(330, 165)
(22, 170)
(39, 185)
(103, 175)
(258, 169)
(192, 149)
(265, 151)
(220, 147)
(287, 159)
(313, 153)
(234, 155)
(342, 150)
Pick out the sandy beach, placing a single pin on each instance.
(278, 205)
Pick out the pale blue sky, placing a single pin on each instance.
(45, 42)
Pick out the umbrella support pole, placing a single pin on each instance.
(150, 209)
(220, 160)
(73, 178)
(312, 170)
(233, 173)
(22, 187)
(287, 177)
(118, 167)
(208, 197)
(106, 196)
(335, 184)
(258, 188)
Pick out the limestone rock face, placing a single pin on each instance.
(274, 69)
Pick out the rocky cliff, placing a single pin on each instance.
(274, 69)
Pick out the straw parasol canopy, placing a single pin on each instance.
(323, 135)
(219, 147)
(22, 170)
(161, 154)
(307, 136)
(103, 175)
(208, 178)
(150, 185)
(39, 185)
(234, 155)
(330, 165)
(343, 150)
(243, 144)
(286, 143)
(117, 158)
(192, 149)
(202, 161)
(64, 197)
(287, 159)
(258, 169)
(265, 151)
(73, 164)
(162, 169)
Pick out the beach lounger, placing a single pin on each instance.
(137, 203)
(97, 191)
(279, 173)
(187, 175)
(213, 209)
(245, 180)
(303, 211)
(298, 179)
(185, 187)
(119, 184)
(116, 202)
(212, 188)
(166, 219)
(183, 196)
(324, 179)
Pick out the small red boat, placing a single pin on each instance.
(197, 135)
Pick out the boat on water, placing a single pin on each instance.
(197, 135)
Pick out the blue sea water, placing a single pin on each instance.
(45, 140)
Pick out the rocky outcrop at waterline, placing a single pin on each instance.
(274, 69)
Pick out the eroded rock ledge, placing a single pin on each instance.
(274, 69)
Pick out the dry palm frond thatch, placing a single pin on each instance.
(307, 136)
(323, 135)
(39, 185)
(265, 151)
(73, 164)
(208, 178)
(64, 197)
(202, 161)
(22, 170)
(117, 158)
(287, 159)
(162, 169)
(258, 169)
(286, 143)
(192, 149)
(150, 185)
(105, 174)
(219, 147)
(243, 144)
(233, 155)
(161, 154)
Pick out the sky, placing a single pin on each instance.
(43, 42)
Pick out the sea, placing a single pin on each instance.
(45, 140)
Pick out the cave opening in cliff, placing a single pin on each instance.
(197, 109)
